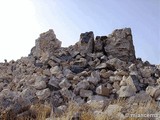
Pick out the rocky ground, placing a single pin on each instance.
(94, 72)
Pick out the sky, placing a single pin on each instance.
(21, 22)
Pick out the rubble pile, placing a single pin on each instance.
(94, 70)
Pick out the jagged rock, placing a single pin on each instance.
(126, 91)
(85, 93)
(86, 43)
(67, 94)
(95, 77)
(146, 72)
(133, 82)
(55, 70)
(47, 43)
(53, 83)
(120, 45)
(43, 94)
(106, 74)
(101, 66)
(102, 90)
(99, 43)
(81, 85)
(64, 83)
(98, 102)
(113, 109)
(117, 63)
(115, 78)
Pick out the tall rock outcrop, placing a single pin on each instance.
(119, 44)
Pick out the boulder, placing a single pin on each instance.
(120, 45)
(43, 94)
(102, 90)
(47, 43)
(85, 93)
(126, 91)
(64, 83)
(86, 42)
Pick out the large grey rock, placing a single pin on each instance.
(120, 45)
(47, 43)
(81, 85)
(133, 82)
(43, 94)
(85, 93)
(117, 63)
(86, 43)
(95, 77)
(64, 83)
(126, 91)
(99, 43)
(102, 90)
(67, 94)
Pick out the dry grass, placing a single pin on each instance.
(41, 112)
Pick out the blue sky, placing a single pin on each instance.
(69, 18)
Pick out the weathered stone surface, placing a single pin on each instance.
(95, 77)
(99, 43)
(120, 45)
(86, 43)
(81, 85)
(67, 94)
(85, 93)
(54, 83)
(113, 109)
(47, 43)
(43, 94)
(133, 82)
(64, 83)
(55, 70)
(117, 63)
(102, 90)
(126, 91)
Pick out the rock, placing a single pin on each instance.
(67, 94)
(77, 69)
(53, 83)
(70, 76)
(153, 92)
(117, 63)
(81, 85)
(85, 93)
(102, 90)
(78, 100)
(120, 45)
(99, 43)
(141, 97)
(106, 74)
(95, 77)
(126, 91)
(47, 72)
(101, 66)
(56, 99)
(133, 82)
(120, 73)
(43, 94)
(123, 81)
(64, 83)
(146, 72)
(46, 43)
(39, 85)
(98, 102)
(86, 43)
(55, 70)
(115, 78)
(29, 93)
(113, 109)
